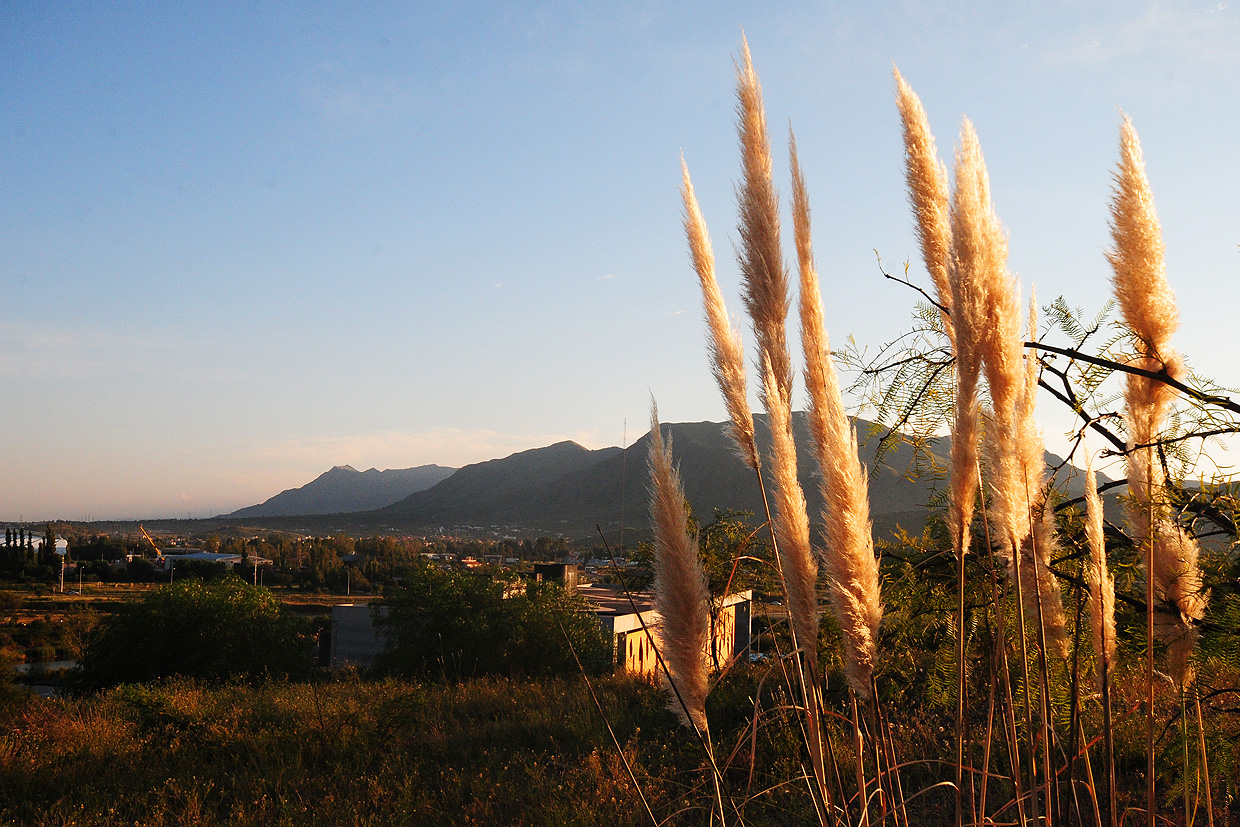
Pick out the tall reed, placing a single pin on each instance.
(765, 284)
(1098, 578)
(765, 294)
(979, 252)
(852, 570)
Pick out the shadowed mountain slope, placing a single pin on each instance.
(565, 489)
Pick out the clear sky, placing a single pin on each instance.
(241, 243)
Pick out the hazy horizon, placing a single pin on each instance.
(242, 247)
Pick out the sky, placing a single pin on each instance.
(242, 243)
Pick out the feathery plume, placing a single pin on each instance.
(1014, 443)
(766, 300)
(967, 289)
(927, 193)
(979, 269)
(761, 259)
(1148, 307)
(680, 594)
(727, 354)
(1140, 278)
(792, 523)
(1101, 583)
(852, 569)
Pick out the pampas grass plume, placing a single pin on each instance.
(852, 569)
(979, 262)
(727, 354)
(1140, 278)
(680, 593)
(761, 258)
(927, 192)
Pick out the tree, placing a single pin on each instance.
(456, 624)
(211, 631)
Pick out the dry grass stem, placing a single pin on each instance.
(852, 569)
(927, 192)
(761, 259)
(680, 594)
(727, 354)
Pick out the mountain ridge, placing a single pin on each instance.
(344, 489)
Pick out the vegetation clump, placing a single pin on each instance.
(211, 631)
(452, 625)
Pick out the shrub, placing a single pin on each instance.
(210, 631)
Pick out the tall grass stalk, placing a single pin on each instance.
(962, 308)
(1147, 304)
(680, 594)
(999, 599)
(852, 569)
(1202, 762)
(979, 252)
(1148, 307)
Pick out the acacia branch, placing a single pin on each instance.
(1090, 421)
(908, 283)
(1078, 500)
(913, 403)
(1157, 375)
(917, 357)
(1181, 438)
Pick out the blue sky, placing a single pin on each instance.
(241, 244)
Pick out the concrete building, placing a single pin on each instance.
(631, 624)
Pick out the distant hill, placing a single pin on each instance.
(565, 489)
(345, 489)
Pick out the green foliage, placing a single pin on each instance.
(454, 624)
(222, 630)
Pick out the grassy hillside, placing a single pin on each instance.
(485, 752)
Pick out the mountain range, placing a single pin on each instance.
(567, 490)
(344, 489)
